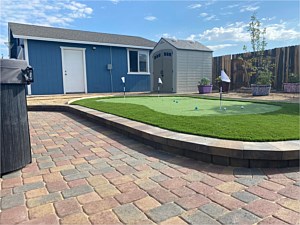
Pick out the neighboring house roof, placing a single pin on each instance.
(76, 36)
(187, 45)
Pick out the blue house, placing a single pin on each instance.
(73, 61)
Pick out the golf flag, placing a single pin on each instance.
(159, 81)
(224, 77)
(123, 79)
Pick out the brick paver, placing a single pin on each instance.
(272, 221)
(164, 212)
(147, 203)
(245, 196)
(130, 214)
(213, 210)
(10, 201)
(262, 208)
(14, 215)
(291, 192)
(290, 204)
(83, 173)
(98, 206)
(41, 211)
(67, 207)
(192, 201)
(198, 217)
(78, 218)
(239, 216)
(105, 217)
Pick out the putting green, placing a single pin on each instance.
(186, 106)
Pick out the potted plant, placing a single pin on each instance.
(204, 86)
(263, 84)
(293, 84)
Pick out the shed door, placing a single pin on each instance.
(157, 68)
(163, 68)
(73, 70)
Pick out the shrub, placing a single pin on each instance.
(294, 78)
(264, 78)
(204, 81)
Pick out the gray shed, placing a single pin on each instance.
(180, 64)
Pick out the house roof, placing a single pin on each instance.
(34, 32)
(187, 45)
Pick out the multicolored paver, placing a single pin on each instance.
(83, 173)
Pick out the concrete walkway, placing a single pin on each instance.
(87, 174)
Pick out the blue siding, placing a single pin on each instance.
(139, 83)
(14, 49)
(45, 58)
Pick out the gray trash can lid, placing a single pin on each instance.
(11, 71)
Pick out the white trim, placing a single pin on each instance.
(9, 33)
(72, 48)
(63, 67)
(80, 42)
(128, 66)
(62, 48)
(84, 71)
(138, 73)
(20, 55)
(27, 59)
(147, 58)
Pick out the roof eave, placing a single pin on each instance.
(80, 42)
(203, 50)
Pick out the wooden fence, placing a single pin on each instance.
(286, 61)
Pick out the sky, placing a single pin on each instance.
(220, 25)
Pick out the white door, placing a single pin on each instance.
(73, 70)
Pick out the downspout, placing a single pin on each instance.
(111, 78)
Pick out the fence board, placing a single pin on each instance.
(286, 60)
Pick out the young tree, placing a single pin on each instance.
(256, 63)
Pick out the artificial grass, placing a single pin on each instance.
(281, 124)
(187, 106)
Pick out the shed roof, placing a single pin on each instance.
(187, 45)
(35, 32)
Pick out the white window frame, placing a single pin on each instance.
(140, 51)
(29, 92)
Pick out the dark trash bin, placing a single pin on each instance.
(225, 86)
(15, 139)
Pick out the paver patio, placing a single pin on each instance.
(83, 173)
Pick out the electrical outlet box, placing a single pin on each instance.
(109, 66)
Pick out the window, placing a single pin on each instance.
(138, 61)
(133, 61)
(143, 62)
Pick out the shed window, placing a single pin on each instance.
(138, 61)
(143, 62)
(133, 61)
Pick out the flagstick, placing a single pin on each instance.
(221, 97)
(158, 90)
(124, 91)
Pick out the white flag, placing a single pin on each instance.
(159, 81)
(224, 77)
(123, 79)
